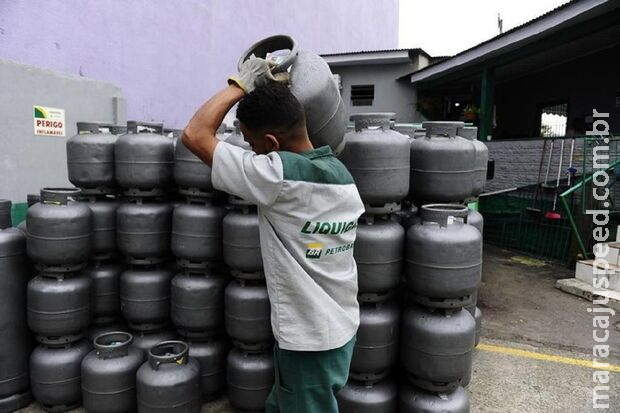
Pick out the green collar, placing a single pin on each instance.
(317, 153)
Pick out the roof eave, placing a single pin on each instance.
(527, 33)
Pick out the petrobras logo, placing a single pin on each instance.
(314, 250)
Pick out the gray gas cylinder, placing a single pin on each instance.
(145, 297)
(191, 174)
(241, 240)
(197, 233)
(412, 399)
(109, 374)
(211, 353)
(169, 380)
(236, 137)
(376, 347)
(379, 253)
(444, 166)
(59, 231)
(444, 257)
(144, 159)
(143, 231)
(15, 339)
(312, 83)
(55, 375)
(145, 340)
(197, 302)
(105, 290)
(369, 397)
(95, 330)
(475, 219)
(477, 314)
(59, 307)
(377, 158)
(250, 378)
(482, 155)
(90, 158)
(248, 314)
(103, 238)
(437, 347)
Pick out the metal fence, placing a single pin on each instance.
(550, 221)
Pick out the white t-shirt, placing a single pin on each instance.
(308, 207)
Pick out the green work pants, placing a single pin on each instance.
(307, 381)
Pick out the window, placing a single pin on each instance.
(553, 120)
(362, 95)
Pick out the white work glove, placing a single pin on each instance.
(256, 72)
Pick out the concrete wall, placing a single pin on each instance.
(170, 56)
(591, 82)
(29, 162)
(391, 95)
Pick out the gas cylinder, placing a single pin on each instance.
(444, 166)
(145, 340)
(250, 378)
(482, 155)
(377, 158)
(437, 347)
(368, 397)
(191, 174)
(169, 380)
(376, 347)
(211, 353)
(248, 314)
(197, 302)
(444, 257)
(145, 297)
(103, 238)
(90, 158)
(379, 250)
(59, 231)
(475, 219)
(144, 159)
(312, 83)
(104, 292)
(109, 374)
(59, 307)
(143, 231)
(15, 338)
(197, 233)
(55, 375)
(412, 399)
(241, 241)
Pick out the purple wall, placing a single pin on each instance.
(169, 56)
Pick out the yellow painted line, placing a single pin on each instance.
(545, 357)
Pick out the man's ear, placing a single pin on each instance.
(272, 142)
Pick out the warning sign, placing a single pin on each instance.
(49, 121)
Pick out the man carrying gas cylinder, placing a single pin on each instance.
(308, 206)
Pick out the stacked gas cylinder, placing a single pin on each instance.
(378, 159)
(59, 231)
(15, 339)
(250, 374)
(197, 290)
(396, 177)
(443, 268)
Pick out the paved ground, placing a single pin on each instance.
(535, 340)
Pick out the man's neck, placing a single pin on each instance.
(299, 146)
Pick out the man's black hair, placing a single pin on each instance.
(271, 108)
